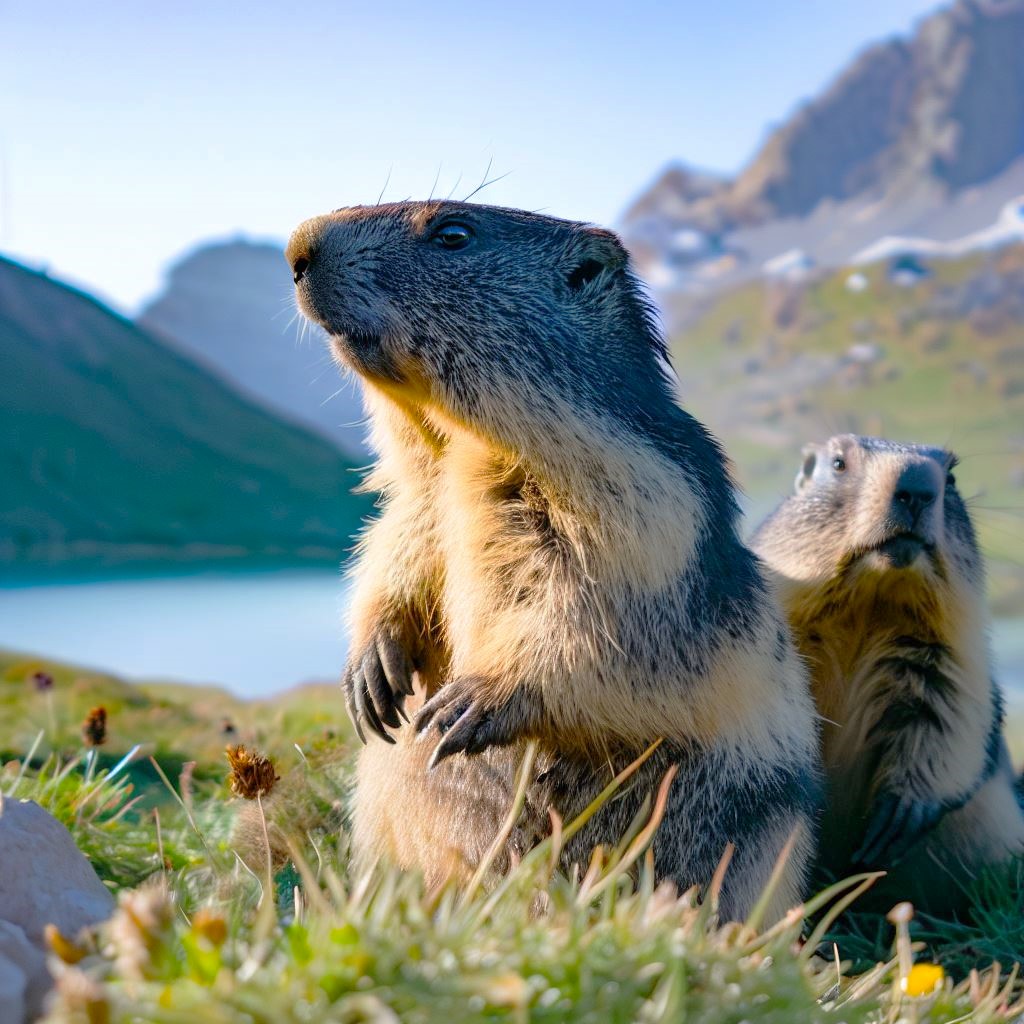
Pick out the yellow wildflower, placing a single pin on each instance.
(923, 979)
(506, 990)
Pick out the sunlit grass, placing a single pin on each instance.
(196, 938)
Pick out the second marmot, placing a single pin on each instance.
(883, 581)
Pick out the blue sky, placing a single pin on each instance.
(125, 138)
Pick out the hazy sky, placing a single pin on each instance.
(127, 136)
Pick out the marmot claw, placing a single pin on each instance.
(376, 683)
(466, 724)
(896, 823)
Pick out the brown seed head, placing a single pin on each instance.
(210, 925)
(42, 681)
(902, 913)
(81, 997)
(69, 951)
(94, 728)
(252, 774)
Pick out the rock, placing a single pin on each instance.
(24, 978)
(44, 878)
(12, 991)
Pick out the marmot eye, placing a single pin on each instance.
(452, 236)
(839, 464)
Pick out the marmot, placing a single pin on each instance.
(557, 557)
(883, 582)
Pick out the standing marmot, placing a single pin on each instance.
(883, 583)
(557, 556)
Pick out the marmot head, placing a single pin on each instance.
(872, 511)
(479, 311)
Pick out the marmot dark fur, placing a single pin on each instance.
(557, 557)
(882, 579)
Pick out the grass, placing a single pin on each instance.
(176, 724)
(202, 935)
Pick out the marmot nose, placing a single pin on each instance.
(300, 252)
(306, 246)
(915, 491)
(299, 268)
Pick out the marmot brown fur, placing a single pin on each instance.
(557, 557)
(883, 582)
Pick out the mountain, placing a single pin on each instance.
(115, 447)
(945, 108)
(918, 136)
(231, 305)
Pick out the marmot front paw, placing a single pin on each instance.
(896, 823)
(376, 682)
(466, 721)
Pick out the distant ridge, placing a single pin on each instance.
(116, 448)
(231, 305)
(921, 136)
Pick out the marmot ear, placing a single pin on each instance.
(595, 249)
(810, 460)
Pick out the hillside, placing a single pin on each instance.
(922, 135)
(116, 448)
(231, 305)
(940, 358)
(178, 722)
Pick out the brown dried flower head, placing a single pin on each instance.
(252, 774)
(210, 925)
(902, 913)
(141, 930)
(94, 728)
(81, 997)
(67, 949)
(42, 681)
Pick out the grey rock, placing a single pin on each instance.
(45, 877)
(45, 880)
(24, 978)
(13, 984)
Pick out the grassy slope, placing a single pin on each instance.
(111, 442)
(538, 948)
(769, 368)
(175, 722)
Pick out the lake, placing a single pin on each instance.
(252, 632)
